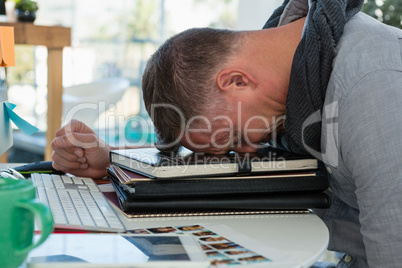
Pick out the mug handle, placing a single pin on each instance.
(42, 212)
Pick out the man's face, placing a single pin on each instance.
(240, 131)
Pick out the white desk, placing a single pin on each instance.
(305, 237)
(302, 236)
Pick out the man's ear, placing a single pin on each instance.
(229, 79)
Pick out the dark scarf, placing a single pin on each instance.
(311, 69)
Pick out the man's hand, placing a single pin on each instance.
(79, 151)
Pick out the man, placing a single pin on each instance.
(321, 79)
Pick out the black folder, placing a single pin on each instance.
(240, 202)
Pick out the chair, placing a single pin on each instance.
(86, 102)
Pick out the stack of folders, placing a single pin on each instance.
(149, 182)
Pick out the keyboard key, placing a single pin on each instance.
(58, 183)
(82, 187)
(66, 179)
(77, 180)
(88, 181)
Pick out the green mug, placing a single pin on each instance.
(18, 211)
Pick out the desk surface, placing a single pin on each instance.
(304, 237)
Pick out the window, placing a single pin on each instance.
(109, 39)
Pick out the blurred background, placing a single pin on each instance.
(110, 44)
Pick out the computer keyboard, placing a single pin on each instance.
(76, 203)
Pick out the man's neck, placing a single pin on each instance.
(271, 53)
(284, 41)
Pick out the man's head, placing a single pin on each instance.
(179, 81)
(217, 90)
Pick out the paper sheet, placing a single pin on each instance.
(5, 130)
(225, 247)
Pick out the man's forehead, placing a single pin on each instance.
(206, 140)
(204, 135)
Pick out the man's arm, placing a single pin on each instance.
(79, 151)
(371, 148)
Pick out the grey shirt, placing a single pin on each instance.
(362, 121)
(361, 124)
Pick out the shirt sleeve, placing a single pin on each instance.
(371, 149)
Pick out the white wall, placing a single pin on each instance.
(254, 13)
